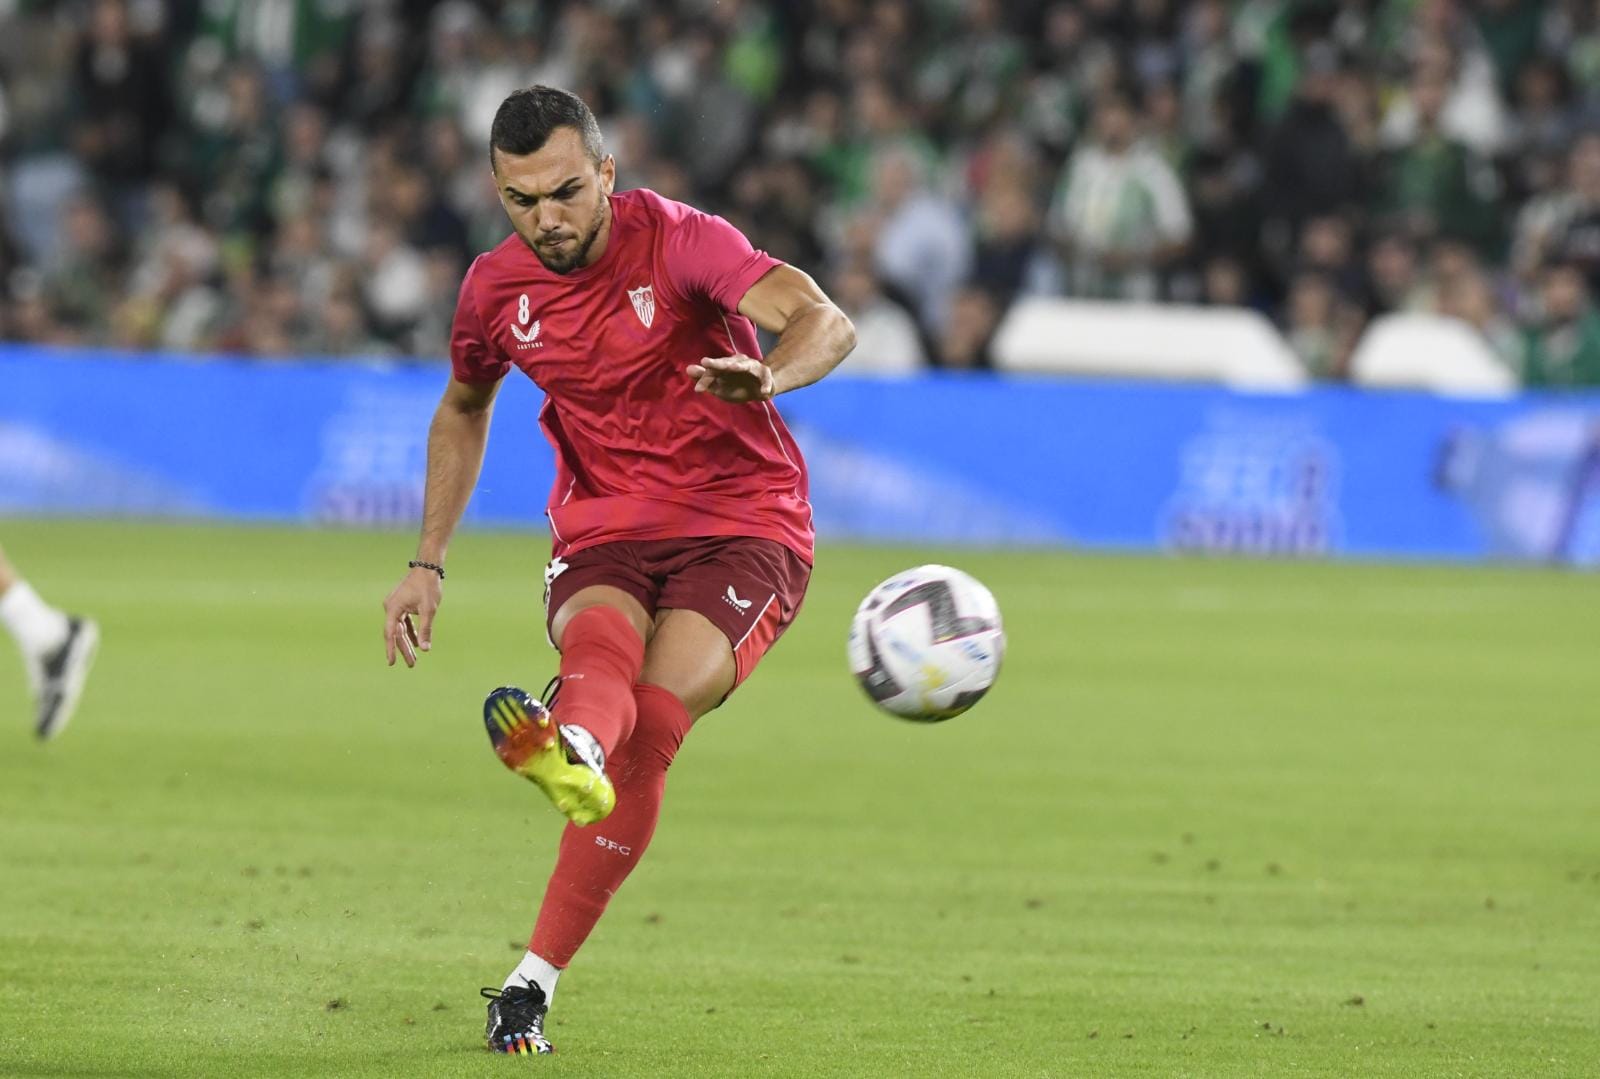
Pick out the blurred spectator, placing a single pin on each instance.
(1005, 156)
(1470, 297)
(425, 219)
(1223, 190)
(838, 158)
(1394, 276)
(1048, 95)
(301, 158)
(340, 329)
(394, 279)
(1561, 345)
(884, 125)
(1224, 283)
(231, 152)
(172, 303)
(1209, 63)
(964, 345)
(1153, 52)
(1510, 31)
(429, 335)
(966, 75)
(923, 247)
(887, 341)
(1120, 213)
(1564, 225)
(120, 104)
(1447, 59)
(378, 83)
(1542, 127)
(712, 120)
(300, 254)
(1356, 101)
(30, 316)
(1010, 259)
(1310, 164)
(1163, 119)
(1434, 184)
(776, 206)
(1327, 245)
(1572, 32)
(81, 288)
(1318, 326)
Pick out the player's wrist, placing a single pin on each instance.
(427, 565)
(429, 551)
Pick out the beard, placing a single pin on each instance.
(566, 260)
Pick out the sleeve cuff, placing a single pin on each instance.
(753, 269)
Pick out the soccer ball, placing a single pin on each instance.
(927, 643)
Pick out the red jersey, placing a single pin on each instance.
(639, 454)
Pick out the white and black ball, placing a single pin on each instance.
(927, 643)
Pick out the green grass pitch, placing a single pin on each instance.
(1218, 818)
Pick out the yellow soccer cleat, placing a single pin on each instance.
(565, 761)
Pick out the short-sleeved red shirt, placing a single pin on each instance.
(639, 454)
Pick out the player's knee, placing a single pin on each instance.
(662, 723)
(599, 609)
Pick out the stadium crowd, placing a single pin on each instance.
(282, 177)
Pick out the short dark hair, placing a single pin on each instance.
(526, 119)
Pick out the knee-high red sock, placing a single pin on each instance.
(595, 860)
(601, 656)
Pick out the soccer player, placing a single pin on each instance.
(57, 650)
(681, 534)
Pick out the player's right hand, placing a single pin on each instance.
(417, 595)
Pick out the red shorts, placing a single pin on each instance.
(750, 589)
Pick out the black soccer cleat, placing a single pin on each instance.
(60, 675)
(516, 1020)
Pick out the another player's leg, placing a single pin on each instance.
(564, 748)
(57, 650)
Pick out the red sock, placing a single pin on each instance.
(595, 860)
(601, 656)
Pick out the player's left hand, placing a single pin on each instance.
(733, 378)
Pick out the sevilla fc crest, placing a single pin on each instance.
(644, 304)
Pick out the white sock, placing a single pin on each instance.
(37, 626)
(535, 971)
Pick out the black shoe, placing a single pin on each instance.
(516, 1020)
(61, 674)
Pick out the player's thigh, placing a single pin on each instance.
(690, 658)
(607, 574)
(748, 589)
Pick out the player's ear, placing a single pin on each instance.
(608, 174)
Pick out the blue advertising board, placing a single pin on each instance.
(950, 459)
